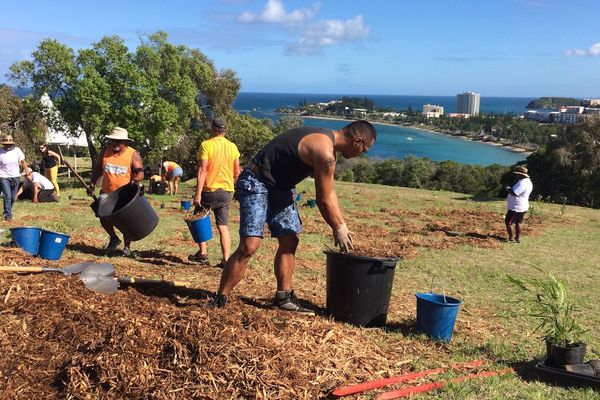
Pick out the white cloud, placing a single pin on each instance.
(593, 51)
(311, 35)
(274, 13)
(328, 33)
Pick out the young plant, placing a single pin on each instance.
(548, 302)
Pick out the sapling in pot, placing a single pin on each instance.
(548, 302)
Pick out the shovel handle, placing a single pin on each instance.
(80, 179)
(22, 269)
(127, 280)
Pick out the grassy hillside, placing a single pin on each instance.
(60, 339)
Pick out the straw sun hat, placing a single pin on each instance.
(521, 171)
(119, 134)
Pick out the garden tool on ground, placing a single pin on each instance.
(100, 278)
(68, 270)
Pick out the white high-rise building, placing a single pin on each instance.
(467, 103)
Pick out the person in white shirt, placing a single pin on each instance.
(517, 203)
(10, 159)
(42, 188)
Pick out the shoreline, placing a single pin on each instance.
(515, 149)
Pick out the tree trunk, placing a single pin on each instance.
(91, 148)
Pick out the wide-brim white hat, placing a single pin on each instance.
(119, 134)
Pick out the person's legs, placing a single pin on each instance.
(8, 198)
(253, 199)
(517, 232)
(52, 175)
(225, 239)
(285, 261)
(46, 196)
(236, 265)
(114, 241)
(176, 184)
(126, 249)
(508, 221)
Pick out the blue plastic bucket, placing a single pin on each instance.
(436, 315)
(186, 205)
(27, 238)
(200, 229)
(52, 244)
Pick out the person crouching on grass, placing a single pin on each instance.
(517, 203)
(40, 188)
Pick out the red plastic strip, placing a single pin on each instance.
(396, 394)
(361, 387)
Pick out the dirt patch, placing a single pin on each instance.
(434, 228)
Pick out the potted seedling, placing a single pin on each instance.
(548, 302)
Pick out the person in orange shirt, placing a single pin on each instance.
(218, 171)
(172, 173)
(118, 165)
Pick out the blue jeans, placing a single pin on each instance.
(260, 204)
(9, 187)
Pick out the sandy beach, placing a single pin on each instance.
(516, 149)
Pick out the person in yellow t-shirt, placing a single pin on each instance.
(218, 170)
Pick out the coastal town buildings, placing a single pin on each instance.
(467, 103)
(591, 103)
(432, 111)
(564, 115)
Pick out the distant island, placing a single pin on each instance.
(553, 102)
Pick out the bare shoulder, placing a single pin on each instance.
(316, 148)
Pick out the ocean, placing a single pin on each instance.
(398, 141)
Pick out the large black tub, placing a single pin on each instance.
(359, 288)
(128, 210)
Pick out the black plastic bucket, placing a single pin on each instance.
(359, 288)
(129, 211)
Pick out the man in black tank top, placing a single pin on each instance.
(266, 190)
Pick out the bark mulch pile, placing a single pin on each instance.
(60, 340)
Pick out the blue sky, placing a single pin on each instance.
(439, 47)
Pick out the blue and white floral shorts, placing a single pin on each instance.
(260, 204)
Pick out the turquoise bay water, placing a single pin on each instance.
(397, 141)
(401, 142)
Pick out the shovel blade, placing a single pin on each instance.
(98, 270)
(76, 268)
(101, 284)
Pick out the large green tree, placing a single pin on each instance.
(160, 92)
(568, 169)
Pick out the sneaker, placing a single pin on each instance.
(288, 301)
(517, 240)
(220, 265)
(217, 301)
(113, 243)
(126, 252)
(199, 258)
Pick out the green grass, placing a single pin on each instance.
(491, 324)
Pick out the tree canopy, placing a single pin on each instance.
(160, 92)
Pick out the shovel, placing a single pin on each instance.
(96, 203)
(69, 270)
(100, 278)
